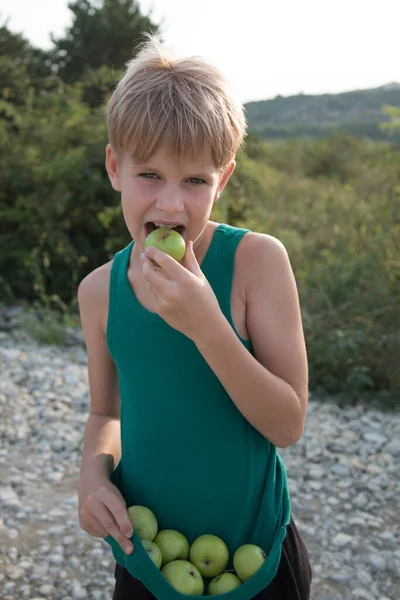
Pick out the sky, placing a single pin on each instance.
(264, 47)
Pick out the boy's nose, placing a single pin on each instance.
(170, 202)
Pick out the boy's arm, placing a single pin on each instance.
(102, 509)
(270, 390)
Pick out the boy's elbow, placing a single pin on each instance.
(292, 433)
(288, 441)
(289, 432)
(289, 436)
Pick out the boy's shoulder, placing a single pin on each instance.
(97, 280)
(253, 241)
(262, 266)
(257, 254)
(93, 292)
(260, 250)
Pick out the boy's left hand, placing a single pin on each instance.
(185, 299)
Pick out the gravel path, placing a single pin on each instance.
(343, 476)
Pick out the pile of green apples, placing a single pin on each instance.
(186, 566)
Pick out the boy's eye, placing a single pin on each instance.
(194, 180)
(148, 175)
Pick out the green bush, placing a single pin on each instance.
(59, 217)
(344, 242)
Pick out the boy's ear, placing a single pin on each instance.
(225, 178)
(112, 167)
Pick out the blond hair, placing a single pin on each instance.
(183, 103)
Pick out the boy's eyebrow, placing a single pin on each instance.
(195, 173)
(137, 166)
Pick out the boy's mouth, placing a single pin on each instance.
(151, 226)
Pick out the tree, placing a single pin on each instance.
(14, 46)
(103, 32)
(393, 125)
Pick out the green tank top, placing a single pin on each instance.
(188, 453)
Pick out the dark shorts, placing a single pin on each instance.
(291, 582)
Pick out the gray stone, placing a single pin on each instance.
(8, 497)
(55, 530)
(361, 499)
(341, 539)
(393, 447)
(78, 590)
(389, 539)
(15, 572)
(362, 594)
(377, 439)
(341, 576)
(46, 589)
(316, 472)
(377, 561)
(339, 469)
(364, 577)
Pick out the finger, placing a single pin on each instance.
(168, 264)
(156, 278)
(93, 527)
(117, 507)
(108, 522)
(190, 261)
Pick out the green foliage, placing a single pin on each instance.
(56, 207)
(45, 327)
(17, 48)
(335, 204)
(102, 33)
(393, 125)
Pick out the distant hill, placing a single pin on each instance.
(358, 112)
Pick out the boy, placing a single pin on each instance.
(197, 370)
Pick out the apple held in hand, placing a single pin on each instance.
(226, 582)
(184, 577)
(209, 554)
(167, 240)
(154, 552)
(143, 522)
(247, 560)
(173, 545)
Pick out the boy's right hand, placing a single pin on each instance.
(102, 512)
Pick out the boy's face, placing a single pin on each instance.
(163, 191)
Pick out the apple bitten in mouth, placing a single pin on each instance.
(151, 226)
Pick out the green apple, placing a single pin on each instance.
(173, 545)
(184, 577)
(143, 522)
(154, 552)
(226, 582)
(209, 554)
(168, 240)
(247, 560)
